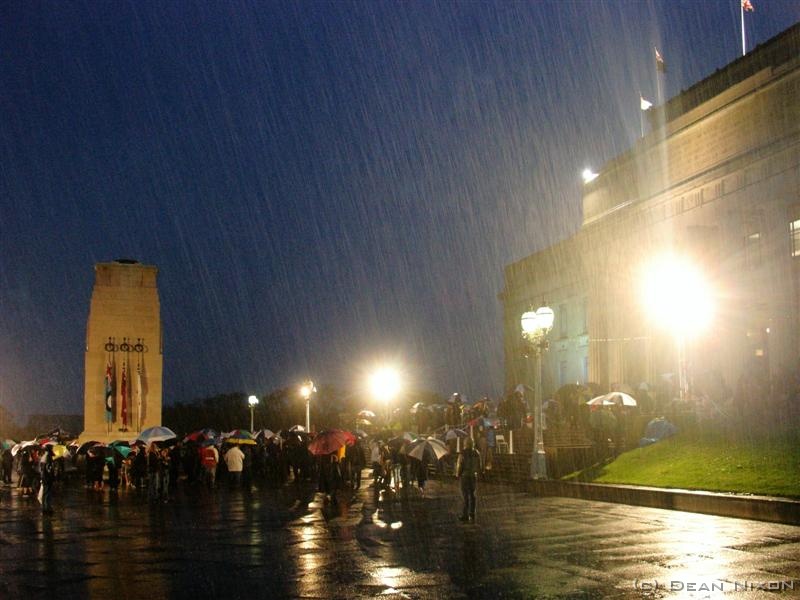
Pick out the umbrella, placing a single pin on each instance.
(84, 447)
(330, 441)
(361, 433)
(402, 438)
(156, 434)
(454, 433)
(430, 446)
(21, 446)
(59, 450)
(267, 434)
(366, 414)
(297, 428)
(619, 398)
(6, 444)
(120, 443)
(201, 435)
(240, 436)
(123, 451)
(414, 408)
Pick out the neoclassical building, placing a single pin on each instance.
(717, 181)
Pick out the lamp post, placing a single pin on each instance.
(305, 391)
(252, 401)
(535, 327)
(385, 385)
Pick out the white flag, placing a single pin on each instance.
(139, 394)
(644, 104)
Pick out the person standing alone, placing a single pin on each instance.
(48, 475)
(467, 469)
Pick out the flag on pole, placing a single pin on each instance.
(109, 400)
(660, 64)
(747, 6)
(124, 395)
(644, 104)
(139, 396)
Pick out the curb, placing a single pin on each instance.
(758, 508)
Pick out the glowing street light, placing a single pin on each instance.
(305, 391)
(384, 384)
(252, 401)
(678, 298)
(535, 327)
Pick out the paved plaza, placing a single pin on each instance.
(289, 543)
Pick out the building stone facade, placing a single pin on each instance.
(717, 180)
(123, 331)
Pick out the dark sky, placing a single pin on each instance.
(322, 185)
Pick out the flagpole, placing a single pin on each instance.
(741, 12)
(658, 79)
(641, 116)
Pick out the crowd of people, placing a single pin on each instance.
(155, 471)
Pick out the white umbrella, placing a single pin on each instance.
(612, 398)
(432, 445)
(454, 433)
(156, 434)
(15, 450)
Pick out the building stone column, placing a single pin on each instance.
(123, 328)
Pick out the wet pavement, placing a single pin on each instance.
(290, 543)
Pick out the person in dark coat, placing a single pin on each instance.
(467, 469)
(355, 458)
(422, 473)
(48, 476)
(139, 468)
(7, 463)
(113, 472)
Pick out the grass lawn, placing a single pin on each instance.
(767, 465)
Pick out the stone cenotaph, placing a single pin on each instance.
(124, 358)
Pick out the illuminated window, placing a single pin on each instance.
(752, 250)
(794, 231)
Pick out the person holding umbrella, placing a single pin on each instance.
(467, 469)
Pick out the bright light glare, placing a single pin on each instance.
(252, 400)
(384, 383)
(677, 296)
(588, 175)
(307, 389)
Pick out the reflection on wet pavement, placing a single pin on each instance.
(290, 543)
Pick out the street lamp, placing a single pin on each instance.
(535, 327)
(385, 385)
(680, 300)
(252, 401)
(305, 391)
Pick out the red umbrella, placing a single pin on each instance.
(330, 441)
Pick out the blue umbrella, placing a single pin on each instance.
(156, 434)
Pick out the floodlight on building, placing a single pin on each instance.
(588, 175)
(677, 295)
